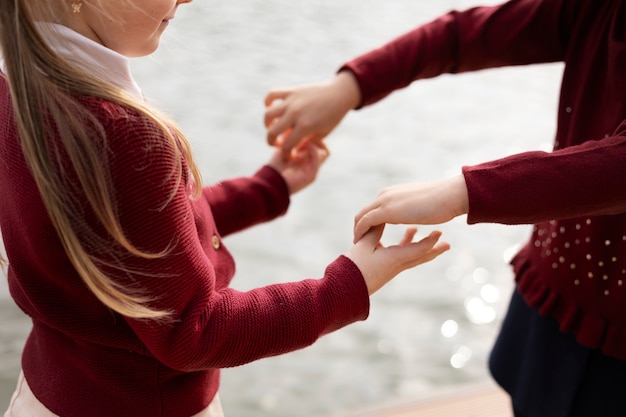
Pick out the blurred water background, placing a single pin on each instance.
(431, 328)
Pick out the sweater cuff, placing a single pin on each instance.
(348, 295)
(280, 191)
(482, 195)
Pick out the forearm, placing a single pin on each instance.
(537, 186)
(218, 328)
(243, 202)
(515, 33)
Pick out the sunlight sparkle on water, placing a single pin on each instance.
(449, 328)
(461, 356)
(490, 293)
(478, 312)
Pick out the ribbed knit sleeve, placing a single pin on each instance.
(243, 202)
(515, 33)
(532, 187)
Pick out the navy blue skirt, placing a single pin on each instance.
(548, 374)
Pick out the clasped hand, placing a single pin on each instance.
(298, 119)
(414, 203)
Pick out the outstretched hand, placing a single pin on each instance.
(380, 264)
(309, 112)
(302, 166)
(414, 203)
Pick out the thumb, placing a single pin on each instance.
(372, 236)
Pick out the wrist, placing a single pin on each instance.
(349, 87)
(460, 193)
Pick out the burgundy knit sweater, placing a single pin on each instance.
(574, 266)
(81, 359)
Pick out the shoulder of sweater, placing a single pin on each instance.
(133, 142)
(119, 121)
(108, 111)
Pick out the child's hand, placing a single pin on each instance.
(414, 203)
(380, 264)
(302, 166)
(310, 112)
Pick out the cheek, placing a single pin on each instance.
(146, 23)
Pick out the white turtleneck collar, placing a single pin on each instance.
(92, 57)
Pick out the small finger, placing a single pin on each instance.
(420, 255)
(273, 113)
(321, 148)
(437, 250)
(434, 235)
(409, 234)
(291, 140)
(430, 255)
(427, 242)
(275, 95)
(309, 148)
(279, 129)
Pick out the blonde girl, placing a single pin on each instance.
(114, 247)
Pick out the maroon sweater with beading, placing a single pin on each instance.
(574, 266)
(81, 359)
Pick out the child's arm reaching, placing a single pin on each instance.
(378, 264)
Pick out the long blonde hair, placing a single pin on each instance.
(41, 100)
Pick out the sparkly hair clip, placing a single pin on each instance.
(76, 5)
